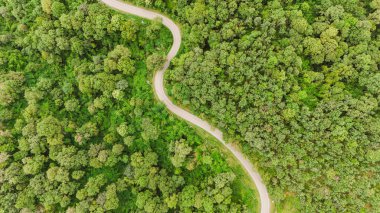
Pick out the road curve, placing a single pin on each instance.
(160, 91)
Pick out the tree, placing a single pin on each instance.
(92, 187)
(314, 48)
(69, 157)
(180, 150)
(300, 25)
(50, 128)
(76, 175)
(10, 87)
(112, 201)
(26, 199)
(150, 131)
(155, 62)
(119, 59)
(129, 30)
(118, 94)
(72, 105)
(57, 9)
(33, 165)
(117, 149)
(46, 6)
(85, 132)
(122, 129)
(58, 174)
(373, 155)
(187, 196)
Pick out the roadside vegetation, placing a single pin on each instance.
(80, 130)
(297, 83)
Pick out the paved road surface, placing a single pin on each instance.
(159, 89)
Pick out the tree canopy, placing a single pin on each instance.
(80, 130)
(297, 84)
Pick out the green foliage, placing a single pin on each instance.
(296, 82)
(155, 61)
(46, 6)
(10, 87)
(79, 128)
(180, 150)
(57, 9)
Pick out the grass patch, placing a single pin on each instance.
(243, 187)
(291, 204)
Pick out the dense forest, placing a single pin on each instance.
(297, 84)
(80, 130)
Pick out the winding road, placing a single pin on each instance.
(160, 91)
